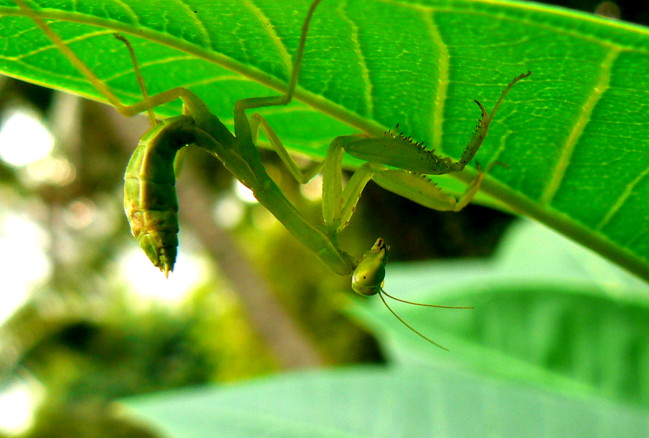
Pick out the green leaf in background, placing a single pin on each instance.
(384, 402)
(547, 311)
(573, 135)
(555, 347)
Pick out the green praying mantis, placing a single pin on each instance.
(394, 161)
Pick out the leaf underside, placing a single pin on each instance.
(381, 403)
(573, 135)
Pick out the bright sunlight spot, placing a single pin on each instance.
(50, 170)
(24, 139)
(245, 194)
(17, 404)
(228, 212)
(313, 189)
(23, 263)
(80, 214)
(148, 283)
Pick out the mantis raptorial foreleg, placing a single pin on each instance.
(413, 162)
(150, 197)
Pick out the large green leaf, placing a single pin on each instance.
(573, 135)
(380, 402)
(555, 347)
(547, 312)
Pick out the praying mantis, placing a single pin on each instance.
(394, 161)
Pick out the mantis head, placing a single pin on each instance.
(367, 280)
(368, 276)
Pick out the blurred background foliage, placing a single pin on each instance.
(87, 334)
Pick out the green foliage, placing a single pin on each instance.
(555, 347)
(378, 402)
(547, 311)
(569, 135)
(86, 359)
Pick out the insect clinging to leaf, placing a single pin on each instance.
(394, 161)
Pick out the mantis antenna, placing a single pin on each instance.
(368, 278)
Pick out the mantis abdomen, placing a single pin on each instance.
(150, 199)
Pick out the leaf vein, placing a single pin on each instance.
(473, 8)
(442, 88)
(68, 42)
(621, 200)
(365, 72)
(207, 40)
(129, 10)
(584, 118)
(270, 32)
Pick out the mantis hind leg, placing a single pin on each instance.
(146, 104)
(257, 122)
(242, 126)
(247, 129)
